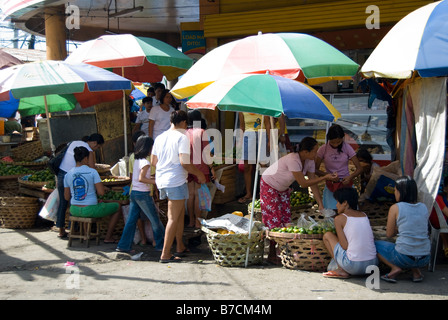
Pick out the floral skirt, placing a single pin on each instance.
(275, 206)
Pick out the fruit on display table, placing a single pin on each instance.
(114, 195)
(299, 198)
(12, 170)
(301, 230)
(41, 176)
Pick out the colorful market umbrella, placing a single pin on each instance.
(139, 59)
(290, 55)
(52, 86)
(418, 42)
(265, 94)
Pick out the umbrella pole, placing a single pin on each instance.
(254, 193)
(49, 126)
(124, 119)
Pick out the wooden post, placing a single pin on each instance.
(55, 33)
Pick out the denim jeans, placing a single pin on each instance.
(144, 202)
(60, 221)
(387, 250)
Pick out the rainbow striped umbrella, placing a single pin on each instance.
(290, 55)
(265, 94)
(418, 42)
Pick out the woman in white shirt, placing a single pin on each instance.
(352, 247)
(159, 116)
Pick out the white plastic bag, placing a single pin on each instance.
(50, 209)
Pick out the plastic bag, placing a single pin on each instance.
(50, 209)
(328, 221)
(303, 222)
(205, 198)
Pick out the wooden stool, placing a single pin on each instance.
(84, 231)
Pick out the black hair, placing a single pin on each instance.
(143, 147)
(347, 194)
(364, 154)
(178, 116)
(159, 85)
(150, 89)
(193, 115)
(307, 144)
(137, 135)
(94, 137)
(336, 132)
(407, 187)
(80, 153)
(147, 99)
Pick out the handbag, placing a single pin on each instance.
(333, 186)
(54, 163)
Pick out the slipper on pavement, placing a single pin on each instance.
(172, 259)
(244, 200)
(334, 274)
(387, 279)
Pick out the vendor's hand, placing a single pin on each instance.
(321, 207)
(332, 176)
(212, 171)
(346, 180)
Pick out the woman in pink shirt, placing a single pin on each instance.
(275, 182)
(336, 154)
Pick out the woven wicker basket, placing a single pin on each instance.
(376, 212)
(302, 252)
(257, 212)
(18, 212)
(33, 184)
(229, 250)
(28, 151)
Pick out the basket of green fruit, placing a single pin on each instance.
(302, 248)
(37, 179)
(114, 196)
(300, 200)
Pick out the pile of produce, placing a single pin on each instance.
(114, 195)
(299, 198)
(12, 170)
(41, 176)
(302, 230)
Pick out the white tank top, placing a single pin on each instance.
(361, 245)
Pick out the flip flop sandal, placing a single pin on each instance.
(181, 254)
(387, 279)
(172, 259)
(334, 274)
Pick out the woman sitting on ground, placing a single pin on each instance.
(353, 246)
(81, 186)
(409, 220)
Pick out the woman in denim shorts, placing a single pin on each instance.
(409, 219)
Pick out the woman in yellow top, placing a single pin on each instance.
(250, 123)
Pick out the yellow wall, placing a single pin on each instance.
(310, 17)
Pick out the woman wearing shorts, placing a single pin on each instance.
(171, 158)
(352, 247)
(408, 219)
(81, 186)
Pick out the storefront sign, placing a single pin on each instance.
(193, 42)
